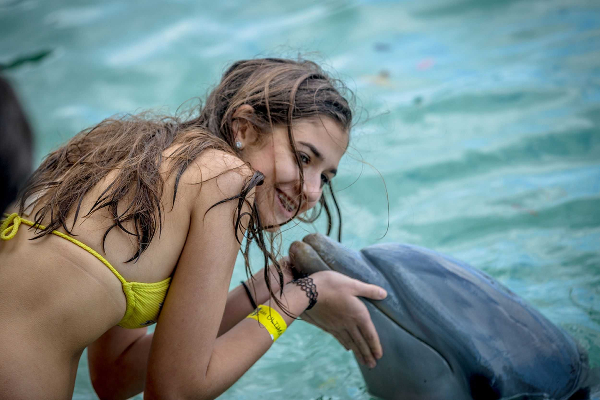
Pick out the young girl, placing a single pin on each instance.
(137, 207)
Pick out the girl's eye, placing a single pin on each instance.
(304, 158)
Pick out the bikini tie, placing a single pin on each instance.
(10, 226)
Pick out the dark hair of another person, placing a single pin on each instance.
(15, 146)
(279, 91)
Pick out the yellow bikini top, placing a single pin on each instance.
(144, 300)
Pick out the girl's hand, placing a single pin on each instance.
(341, 313)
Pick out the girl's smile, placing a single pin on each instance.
(288, 204)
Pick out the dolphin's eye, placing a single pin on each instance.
(581, 394)
(484, 388)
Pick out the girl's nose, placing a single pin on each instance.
(312, 189)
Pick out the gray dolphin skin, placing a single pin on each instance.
(449, 331)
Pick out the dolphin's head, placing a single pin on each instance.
(448, 330)
(411, 368)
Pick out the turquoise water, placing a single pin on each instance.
(482, 117)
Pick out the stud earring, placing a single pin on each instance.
(239, 145)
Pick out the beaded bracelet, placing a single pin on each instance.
(310, 288)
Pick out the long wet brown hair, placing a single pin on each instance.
(279, 91)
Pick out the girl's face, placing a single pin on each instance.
(320, 143)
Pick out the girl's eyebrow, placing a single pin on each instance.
(317, 154)
(314, 150)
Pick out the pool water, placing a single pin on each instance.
(478, 132)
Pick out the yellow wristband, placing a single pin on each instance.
(270, 319)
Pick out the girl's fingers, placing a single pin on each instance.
(369, 333)
(352, 345)
(370, 291)
(363, 347)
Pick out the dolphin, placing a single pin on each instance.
(449, 331)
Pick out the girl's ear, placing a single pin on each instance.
(243, 130)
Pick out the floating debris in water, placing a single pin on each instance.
(382, 47)
(329, 383)
(383, 79)
(425, 64)
(519, 207)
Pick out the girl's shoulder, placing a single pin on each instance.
(213, 174)
(213, 163)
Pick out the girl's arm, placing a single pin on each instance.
(238, 305)
(187, 358)
(118, 360)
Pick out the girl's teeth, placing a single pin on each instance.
(286, 203)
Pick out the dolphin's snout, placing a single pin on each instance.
(315, 240)
(328, 249)
(304, 258)
(327, 254)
